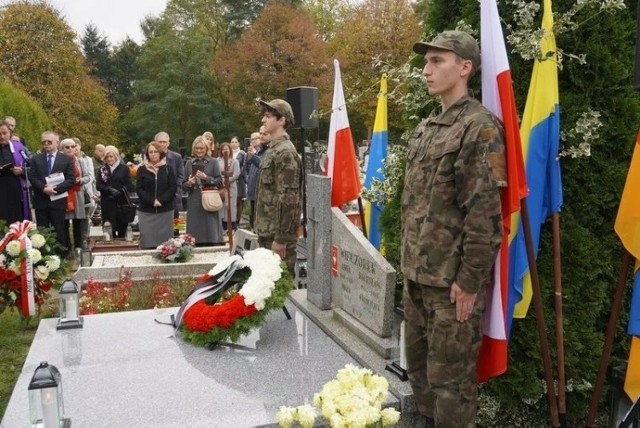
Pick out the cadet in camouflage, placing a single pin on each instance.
(279, 191)
(451, 232)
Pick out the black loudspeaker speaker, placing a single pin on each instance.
(303, 100)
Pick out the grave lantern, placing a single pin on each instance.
(107, 231)
(86, 257)
(69, 306)
(399, 364)
(46, 407)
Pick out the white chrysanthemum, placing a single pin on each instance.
(337, 421)
(38, 240)
(52, 263)
(14, 266)
(13, 248)
(285, 416)
(36, 255)
(41, 272)
(306, 416)
(265, 271)
(390, 417)
(177, 243)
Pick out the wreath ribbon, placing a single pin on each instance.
(19, 231)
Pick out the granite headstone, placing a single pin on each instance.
(363, 281)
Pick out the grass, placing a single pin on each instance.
(15, 341)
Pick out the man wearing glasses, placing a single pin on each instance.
(51, 176)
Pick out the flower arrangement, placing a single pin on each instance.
(176, 250)
(353, 399)
(244, 289)
(24, 246)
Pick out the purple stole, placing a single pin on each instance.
(15, 147)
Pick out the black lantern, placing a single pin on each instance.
(46, 407)
(86, 258)
(399, 357)
(69, 306)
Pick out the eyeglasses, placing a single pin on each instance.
(70, 147)
(46, 142)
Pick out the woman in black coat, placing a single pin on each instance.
(112, 182)
(156, 188)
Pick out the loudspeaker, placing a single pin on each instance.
(303, 101)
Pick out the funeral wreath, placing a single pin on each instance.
(234, 298)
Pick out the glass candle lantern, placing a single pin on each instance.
(69, 306)
(399, 359)
(46, 407)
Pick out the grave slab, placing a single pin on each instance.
(124, 369)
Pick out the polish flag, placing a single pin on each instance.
(497, 96)
(341, 155)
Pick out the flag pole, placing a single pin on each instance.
(364, 224)
(611, 331)
(557, 281)
(537, 303)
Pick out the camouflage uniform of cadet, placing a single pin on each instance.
(278, 198)
(451, 232)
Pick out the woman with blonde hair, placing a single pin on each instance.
(211, 144)
(76, 199)
(202, 172)
(112, 181)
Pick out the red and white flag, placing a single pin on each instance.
(497, 96)
(341, 155)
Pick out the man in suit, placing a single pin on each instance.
(47, 164)
(174, 160)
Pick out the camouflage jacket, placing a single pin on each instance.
(451, 210)
(279, 193)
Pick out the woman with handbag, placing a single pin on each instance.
(202, 172)
(156, 188)
(76, 199)
(112, 182)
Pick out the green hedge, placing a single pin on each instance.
(30, 118)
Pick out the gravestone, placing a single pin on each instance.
(318, 241)
(362, 280)
(244, 240)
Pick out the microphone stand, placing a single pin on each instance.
(26, 164)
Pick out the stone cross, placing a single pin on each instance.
(319, 244)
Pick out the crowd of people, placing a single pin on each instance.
(65, 188)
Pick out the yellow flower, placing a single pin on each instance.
(285, 416)
(306, 416)
(390, 417)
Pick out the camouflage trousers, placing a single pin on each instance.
(441, 354)
(290, 257)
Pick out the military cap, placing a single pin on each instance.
(459, 42)
(282, 107)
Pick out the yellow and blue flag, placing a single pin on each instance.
(540, 135)
(628, 229)
(377, 154)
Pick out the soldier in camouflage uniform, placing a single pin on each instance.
(279, 192)
(451, 232)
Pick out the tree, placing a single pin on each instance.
(97, 55)
(376, 34)
(328, 15)
(125, 72)
(175, 88)
(30, 117)
(263, 63)
(38, 54)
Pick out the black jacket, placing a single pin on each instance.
(150, 187)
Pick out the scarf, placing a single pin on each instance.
(155, 168)
(71, 198)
